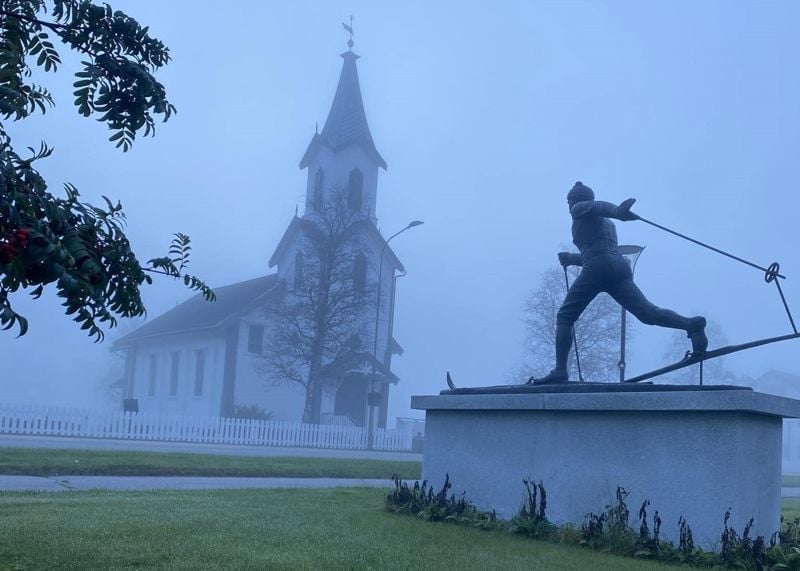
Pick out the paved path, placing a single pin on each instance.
(25, 441)
(67, 483)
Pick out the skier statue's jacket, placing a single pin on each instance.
(592, 231)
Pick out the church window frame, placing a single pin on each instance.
(360, 273)
(199, 372)
(255, 338)
(319, 183)
(299, 269)
(152, 376)
(174, 373)
(355, 190)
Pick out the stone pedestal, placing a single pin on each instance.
(692, 451)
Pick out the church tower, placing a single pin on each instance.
(344, 156)
(342, 163)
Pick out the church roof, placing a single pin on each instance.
(347, 121)
(197, 314)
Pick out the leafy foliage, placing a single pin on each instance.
(45, 239)
(743, 551)
(607, 531)
(610, 528)
(422, 502)
(531, 520)
(251, 412)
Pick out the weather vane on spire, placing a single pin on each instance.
(349, 29)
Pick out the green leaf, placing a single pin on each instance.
(82, 247)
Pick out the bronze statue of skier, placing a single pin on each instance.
(604, 269)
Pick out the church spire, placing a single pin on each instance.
(347, 122)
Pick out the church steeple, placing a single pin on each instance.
(342, 158)
(347, 122)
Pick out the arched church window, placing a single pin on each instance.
(319, 183)
(298, 269)
(355, 189)
(360, 273)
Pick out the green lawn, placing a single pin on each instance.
(60, 462)
(792, 481)
(261, 529)
(790, 509)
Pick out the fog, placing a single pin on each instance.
(486, 115)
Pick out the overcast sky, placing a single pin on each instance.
(486, 113)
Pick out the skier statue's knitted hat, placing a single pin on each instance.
(579, 193)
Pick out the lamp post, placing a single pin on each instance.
(372, 395)
(630, 253)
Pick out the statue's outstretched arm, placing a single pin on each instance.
(604, 209)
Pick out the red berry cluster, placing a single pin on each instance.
(13, 246)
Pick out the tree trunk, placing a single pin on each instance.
(312, 406)
(313, 401)
(308, 407)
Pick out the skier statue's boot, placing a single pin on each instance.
(554, 377)
(697, 333)
(559, 374)
(695, 327)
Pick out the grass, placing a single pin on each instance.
(792, 481)
(790, 509)
(61, 462)
(260, 529)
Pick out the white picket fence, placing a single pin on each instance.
(58, 421)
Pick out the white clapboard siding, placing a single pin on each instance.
(60, 421)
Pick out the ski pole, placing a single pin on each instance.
(770, 274)
(717, 250)
(574, 337)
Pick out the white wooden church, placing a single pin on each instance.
(202, 359)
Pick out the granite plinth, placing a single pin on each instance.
(692, 451)
(583, 388)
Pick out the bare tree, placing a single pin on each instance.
(324, 314)
(597, 331)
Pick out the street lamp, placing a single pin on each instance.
(372, 394)
(630, 253)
